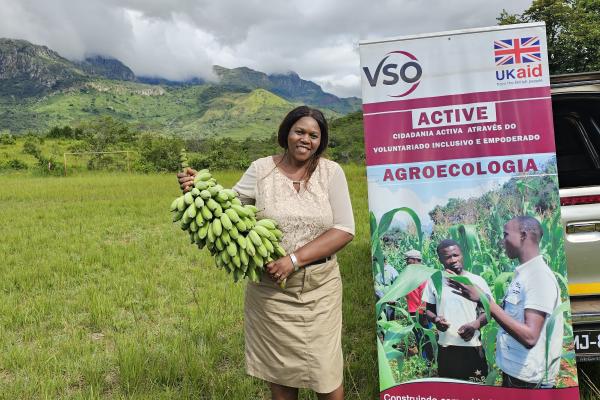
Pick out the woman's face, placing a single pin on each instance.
(304, 139)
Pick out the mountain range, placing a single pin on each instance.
(39, 89)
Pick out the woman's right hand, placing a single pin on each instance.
(186, 179)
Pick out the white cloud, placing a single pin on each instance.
(182, 38)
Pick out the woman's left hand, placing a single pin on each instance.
(280, 269)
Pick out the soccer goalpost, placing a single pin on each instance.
(82, 153)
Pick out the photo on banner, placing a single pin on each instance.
(469, 268)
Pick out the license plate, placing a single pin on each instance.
(587, 344)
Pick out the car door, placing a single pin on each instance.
(577, 133)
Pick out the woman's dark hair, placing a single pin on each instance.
(291, 118)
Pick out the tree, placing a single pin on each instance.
(572, 29)
(159, 153)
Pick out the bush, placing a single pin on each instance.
(7, 138)
(29, 147)
(66, 132)
(15, 164)
(158, 153)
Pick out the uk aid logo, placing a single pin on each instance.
(398, 73)
(518, 59)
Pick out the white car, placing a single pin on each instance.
(576, 109)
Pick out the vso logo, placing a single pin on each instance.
(399, 70)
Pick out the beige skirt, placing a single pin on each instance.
(293, 335)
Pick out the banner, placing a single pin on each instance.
(468, 260)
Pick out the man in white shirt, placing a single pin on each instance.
(458, 320)
(530, 299)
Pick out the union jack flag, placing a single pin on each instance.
(517, 51)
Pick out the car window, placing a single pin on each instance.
(577, 135)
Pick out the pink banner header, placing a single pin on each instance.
(461, 126)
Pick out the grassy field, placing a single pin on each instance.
(101, 297)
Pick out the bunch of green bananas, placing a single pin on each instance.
(215, 218)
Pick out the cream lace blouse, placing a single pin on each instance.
(322, 203)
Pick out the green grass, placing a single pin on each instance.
(102, 298)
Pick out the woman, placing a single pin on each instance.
(293, 335)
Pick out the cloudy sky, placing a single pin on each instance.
(180, 39)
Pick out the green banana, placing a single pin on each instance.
(232, 249)
(211, 204)
(253, 275)
(233, 232)
(199, 202)
(226, 222)
(279, 250)
(241, 241)
(267, 223)
(203, 176)
(184, 225)
(277, 233)
(225, 237)
(211, 247)
(233, 216)
(186, 218)
(254, 236)
(206, 214)
(195, 192)
(250, 213)
(216, 227)
(222, 196)
(250, 247)
(241, 226)
(218, 261)
(203, 231)
(244, 257)
(230, 193)
(188, 198)
(201, 185)
(241, 211)
(174, 204)
(262, 231)
(181, 203)
(267, 243)
(214, 190)
(262, 250)
(210, 235)
(191, 211)
(258, 260)
(237, 274)
(225, 257)
(249, 222)
(205, 194)
(177, 215)
(218, 211)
